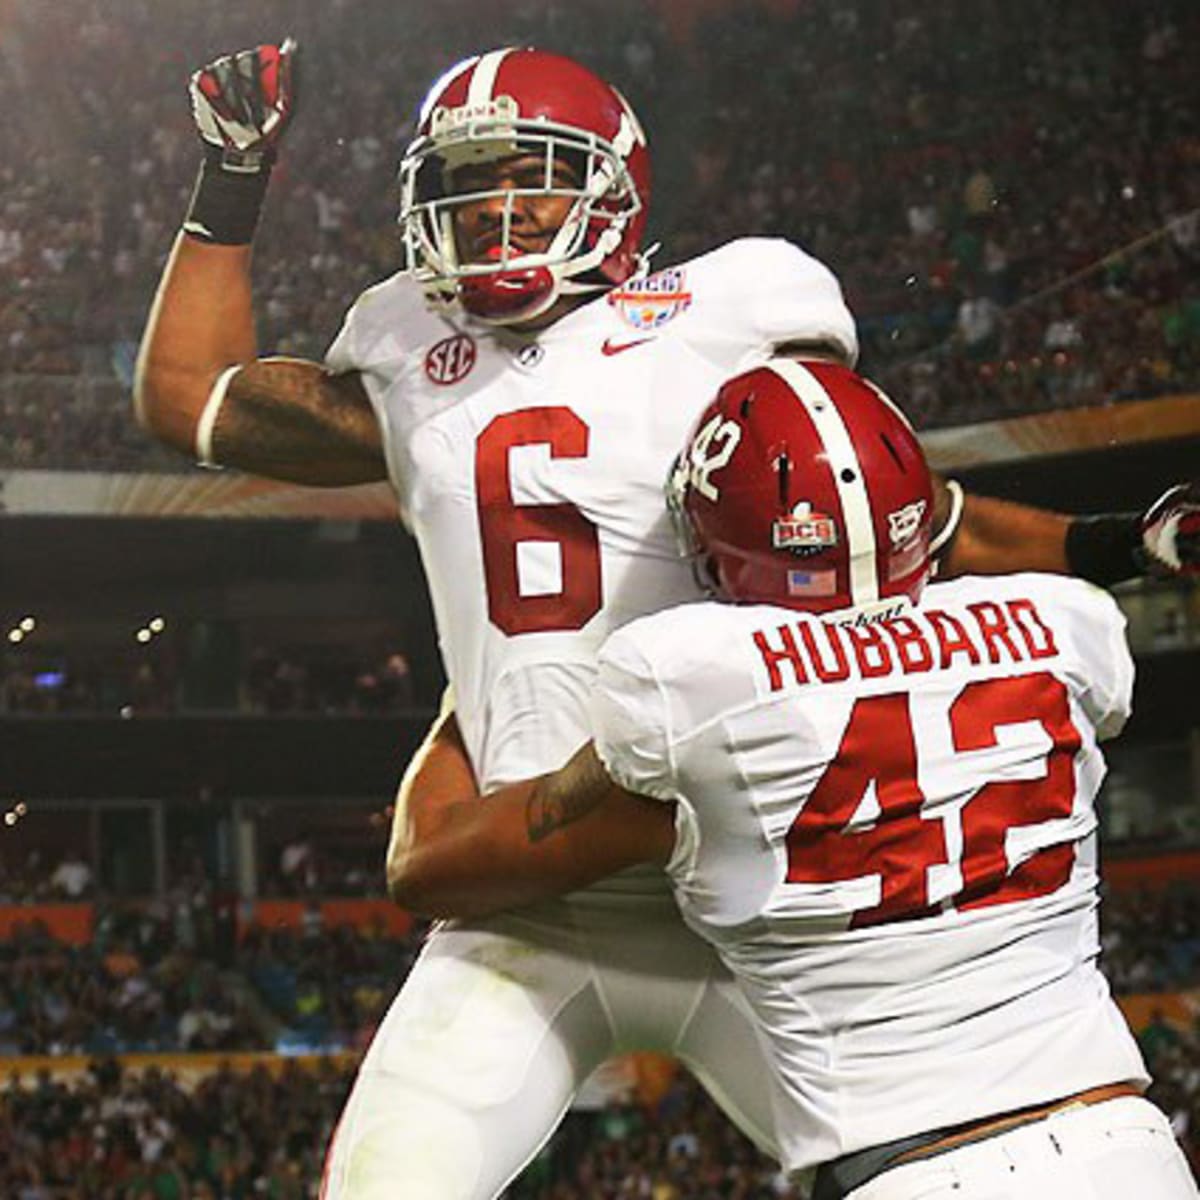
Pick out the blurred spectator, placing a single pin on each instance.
(297, 867)
(72, 878)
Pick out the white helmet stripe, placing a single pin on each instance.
(483, 80)
(856, 505)
(892, 405)
(443, 81)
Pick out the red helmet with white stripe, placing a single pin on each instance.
(803, 485)
(514, 102)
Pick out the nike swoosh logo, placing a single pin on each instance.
(609, 348)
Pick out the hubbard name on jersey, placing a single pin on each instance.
(531, 468)
(888, 833)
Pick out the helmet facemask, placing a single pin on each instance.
(597, 183)
(688, 542)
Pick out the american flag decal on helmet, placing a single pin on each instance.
(811, 583)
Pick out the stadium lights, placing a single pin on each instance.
(151, 629)
(22, 629)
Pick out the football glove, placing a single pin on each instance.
(243, 102)
(1171, 531)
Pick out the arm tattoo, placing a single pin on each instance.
(292, 420)
(563, 798)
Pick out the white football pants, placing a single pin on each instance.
(501, 1021)
(1120, 1149)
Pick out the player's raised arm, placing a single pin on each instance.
(981, 535)
(200, 386)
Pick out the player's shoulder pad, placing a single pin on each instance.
(1077, 600)
(753, 258)
(777, 292)
(1068, 591)
(386, 320)
(396, 297)
(676, 654)
(1089, 633)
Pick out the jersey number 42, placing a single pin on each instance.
(903, 844)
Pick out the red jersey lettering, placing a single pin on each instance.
(789, 652)
(840, 667)
(871, 652)
(994, 627)
(1035, 633)
(951, 637)
(912, 648)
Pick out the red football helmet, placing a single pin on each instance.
(523, 101)
(803, 485)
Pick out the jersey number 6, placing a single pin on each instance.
(504, 526)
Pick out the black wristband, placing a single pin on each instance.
(225, 203)
(1105, 549)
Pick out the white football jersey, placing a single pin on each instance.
(531, 467)
(888, 833)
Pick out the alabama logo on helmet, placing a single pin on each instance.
(904, 523)
(653, 300)
(906, 550)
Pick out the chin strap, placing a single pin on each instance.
(577, 287)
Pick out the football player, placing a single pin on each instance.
(524, 384)
(875, 799)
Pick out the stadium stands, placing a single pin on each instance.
(1033, 245)
(1014, 208)
(166, 977)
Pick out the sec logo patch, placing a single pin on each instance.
(451, 359)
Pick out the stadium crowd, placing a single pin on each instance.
(174, 975)
(1033, 242)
